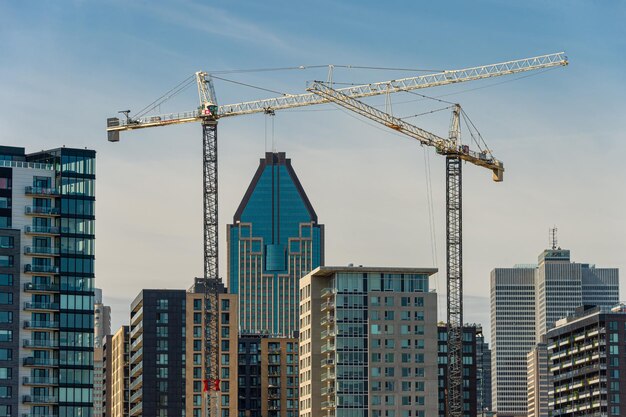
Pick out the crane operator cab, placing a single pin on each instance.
(208, 110)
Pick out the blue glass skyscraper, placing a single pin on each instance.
(274, 241)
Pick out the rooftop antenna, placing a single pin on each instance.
(553, 239)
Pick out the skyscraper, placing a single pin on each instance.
(526, 301)
(274, 241)
(102, 329)
(46, 282)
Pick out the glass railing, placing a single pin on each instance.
(30, 190)
(44, 211)
(328, 305)
(40, 362)
(24, 164)
(41, 250)
(40, 399)
(33, 343)
(31, 286)
(328, 362)
(41, 306)
(328, 333)
(137, 355)
(41, 324)
(137, 395)
(136, 383)
(39, 380)
(136, 410)
(47, 269)
(48, 230)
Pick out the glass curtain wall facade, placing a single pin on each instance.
(274, 241)
(75, 175)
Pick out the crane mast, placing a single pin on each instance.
(208, 113)
(455, 154)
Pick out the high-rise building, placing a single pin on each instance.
(194, 324)
(368, 343)
(525, 302)
(470, 386)
(538, 381)
(157, 353)
(46, 282)
(101, 329)
(483, 374)
(117, 368)
(274, 241)
(587, 363)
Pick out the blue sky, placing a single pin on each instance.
(67, 65)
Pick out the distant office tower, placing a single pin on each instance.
(101, 329)
(525, 302)
(117, 383)
(46, 282)
(539, 382)
(587, 361)
(470, 385)
(157, 353)
(274, 241)
(368, 343)
(483, 374)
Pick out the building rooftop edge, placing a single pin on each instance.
(328, 270)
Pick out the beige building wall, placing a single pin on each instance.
(392, 368)
(195, 401)
(118, 387)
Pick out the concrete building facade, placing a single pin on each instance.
(539, 381)
(368, 343)
(117, 372)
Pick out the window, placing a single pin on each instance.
(5, 373)
(162, 304)
(161, 331)
(197, 304)
(5, 392)
(162, 359)
(5, 222)
(162, 318)
(6, 242)
(6, 317)
(6, 354)
(389, 315)
(6, 279)
(6, 261)
(6, 298)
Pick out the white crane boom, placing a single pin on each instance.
(443, 146)
(289, 101)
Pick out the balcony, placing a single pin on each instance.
(40, 399)
(328, 404)
(328, 347)
(43, 324)
(39, 380)
(136, 356)
(330, 390)
(42, 191)
(45, 362)
(42, 211)
(40, 344)
(328, 306)
(137, 395)
(136, 369)
(136, 410)
(137, 383)
(136, 329)
(42, 230)
(273, 349)
(327, 319)
(328, 292)
(41, 306)
(328, 362)
(34, 287)
(138, 343)
(328, 334)
(41, 251)
(274, 393)
(328, 376)
(39, 415)
(136, 316)
(41, 269)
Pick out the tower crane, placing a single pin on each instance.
(455, 152)
(208, 113)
